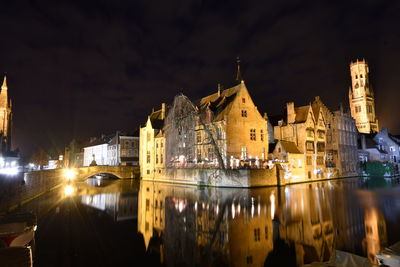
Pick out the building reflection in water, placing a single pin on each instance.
(120, 206)
(236, 227)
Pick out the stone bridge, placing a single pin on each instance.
(121, 172)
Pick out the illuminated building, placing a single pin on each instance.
(152, 145)
(8, 157)
(341, 141)
(113, 150)
(307, 131)
(361, 98)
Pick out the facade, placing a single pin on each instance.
(390, 145)
(152, 145)
(290, 157)
(308, 132)
(123, 149)
(344, 144)
(96, 153)
(239, 130)
(113, 150)
(223, 128)
(361, 98)
(341, 141)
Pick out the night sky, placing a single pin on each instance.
(80, 68)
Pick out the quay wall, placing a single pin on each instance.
(223, 178)
(28, 186)
(17, 190)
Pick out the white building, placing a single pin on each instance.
(123, 150)
(113, 150)
(95, 154)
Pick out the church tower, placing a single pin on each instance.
(361, 98)
(5, 118)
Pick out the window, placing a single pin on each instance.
(147, 204)
(156, 158)
(198, 137)
(369, 108)
(320, 160)
(320, 147)
(262, 135)
(148, 157)
(257, 234)
(161, 144)
(309, 160)
(309, 146)
(161, 158)
(361, 76)
(253, 134)
(356, 76)
(244, 113)
(392, 149)
(266, 232)
(243, 100)
(148, 137)
(210, 152)
(310, 133)
(244, 152)
(279, 150)
(219, 133)
(358, 109)
(321, 134)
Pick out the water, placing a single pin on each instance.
(123, 223)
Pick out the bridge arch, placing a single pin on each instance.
(120, 172)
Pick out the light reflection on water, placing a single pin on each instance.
(292, 225)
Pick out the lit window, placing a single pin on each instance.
(253, 134)
(148, 157)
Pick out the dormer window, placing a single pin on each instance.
(243, 100)
(244, 113)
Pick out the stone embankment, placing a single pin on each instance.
(17, 190)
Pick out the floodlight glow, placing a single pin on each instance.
(69, 190)
(9, 171)
(69, 174)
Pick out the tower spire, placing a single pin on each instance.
(239, 77)
(4, 85)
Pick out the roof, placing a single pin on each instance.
(157, 122)
(395, 138)
(290, 147)
(220, 103)
(301, 114)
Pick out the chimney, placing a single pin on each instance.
(291, 115)
(163, 111)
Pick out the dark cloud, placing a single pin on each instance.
(81, 68)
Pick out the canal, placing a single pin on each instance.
(126, 222)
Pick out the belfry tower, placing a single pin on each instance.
(5, 118)
(361, 98)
